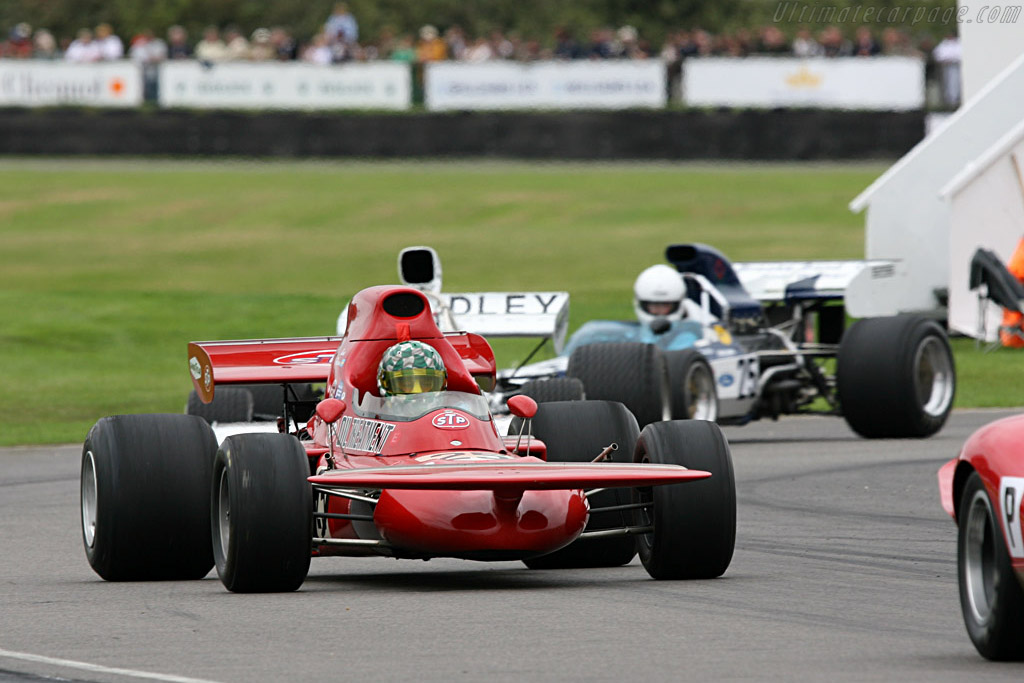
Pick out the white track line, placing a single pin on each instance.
(86, 666)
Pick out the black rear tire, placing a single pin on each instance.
(577, 431)
(691, 386)
(261, 513)
(631, 373)
(895, 377)
(694, 523)
(229, 404)
(145, 497)
(554, 389)
(991, 597)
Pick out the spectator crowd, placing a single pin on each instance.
(339, 42)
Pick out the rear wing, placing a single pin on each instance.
(498, 314)
(790, 282)
(259, 361)
(510, 314)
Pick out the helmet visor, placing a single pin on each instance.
(412, 380)
(660, 307)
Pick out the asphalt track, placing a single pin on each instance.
(844, 571)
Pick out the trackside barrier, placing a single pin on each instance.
(876, 83)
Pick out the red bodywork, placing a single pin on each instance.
(996, 453)
(427, 475)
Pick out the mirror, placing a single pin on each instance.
(522, 406)
(330, 409)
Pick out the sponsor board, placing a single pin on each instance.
(879, 83)
(545, 85)
(383, 85)
(32, 83)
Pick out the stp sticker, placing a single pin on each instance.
(207, 378)
(306, 358)
(450, 419)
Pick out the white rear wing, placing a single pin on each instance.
(508, 314)
(794, 281)
(499, 314)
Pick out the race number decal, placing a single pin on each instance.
(1011, 496)
(747, 372)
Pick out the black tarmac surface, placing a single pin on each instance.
(844, 571)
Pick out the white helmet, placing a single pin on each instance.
(658, 293)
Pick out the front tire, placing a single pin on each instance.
(991, 597)
(261, 517)
(577, 431)
(631, 373)
(694, 524)
(691, 386)
(229, 404)
(145, 503)
(895, 377)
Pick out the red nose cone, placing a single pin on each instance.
(481, 524)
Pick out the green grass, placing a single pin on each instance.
(107, 268)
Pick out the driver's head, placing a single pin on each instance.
(658, 293)
(411, 367)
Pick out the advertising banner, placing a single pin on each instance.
(36, 83)
(880, 83)
(378, 85)
(545, 85)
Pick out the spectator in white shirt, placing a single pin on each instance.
(111, 47)
(319, 52)
(83, 49)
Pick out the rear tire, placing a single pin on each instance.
(631, 373)
(229, 404)
(261, 519)
(694, 523)
(145, 497)
(691, 386)
(895, 377)
(554, 389)
(577, 431)
(991, 597)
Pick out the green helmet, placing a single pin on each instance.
(411, 367)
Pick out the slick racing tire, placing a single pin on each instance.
(145, 497)
(229, 404)
(577, 431)
(991, 597)
(268, 400)
(691, 386)
(895, 377)
(694, 524)
(631, 373)
(554, 389)
(261, 513)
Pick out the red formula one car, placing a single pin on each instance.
(983, 489)
(405, 475)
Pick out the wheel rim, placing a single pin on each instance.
(701, 404)
(89, 499)
(979, 557)
(933, 376)
(223, 512)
